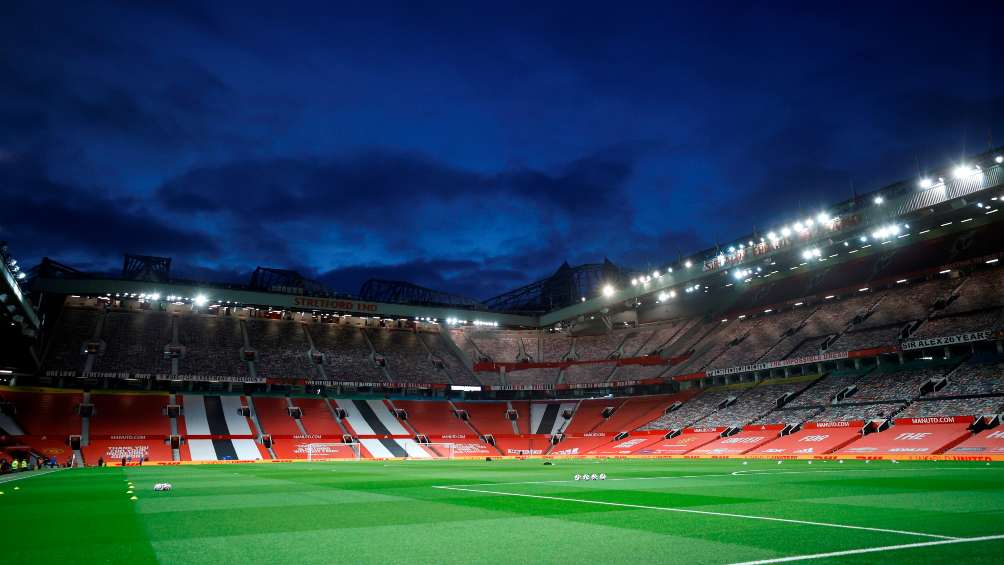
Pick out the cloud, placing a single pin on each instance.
(45, 217)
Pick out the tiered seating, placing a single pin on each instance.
(532, 377)
(713, 344)
(76, 326)
(283, 350)
(789, 416)
(453, 366)
(347, 356)
(489, 417)
(761, 335)
(942, 325)
(752, 404)
(871, 337)
(692, 411)
(845, 412)
(954, 407)
(588, 347)
(906, 303)
(975, 379)
(638, 411)
(129, 414)
(434, 418)
(987, 442)
(829, 318)
(274, 416)
(823, 391)
(901, 385)
(497, 345)
(212, 346)
(553, 346)
(316, 417)
(665, 337)
(407, 359)
(596, 373)
(975, 307)
(47, 413)
(589, 415)
(905, 439)
(134, 343)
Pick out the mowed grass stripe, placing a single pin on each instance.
(700, 512)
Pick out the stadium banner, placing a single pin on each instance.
(648, 360)
(934, 420)
(967, 337)
(753, 367)
(822, 425)
(872, 351)
(716, 430)
(211, 378)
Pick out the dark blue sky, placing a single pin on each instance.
(465, 147)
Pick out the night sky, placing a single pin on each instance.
(462, 147)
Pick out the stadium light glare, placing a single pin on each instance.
(672, 294)
(823, 218)
(201, 300)
(963, 171)
(799, 226)
(926, 183)
(663, 296)
(771, 236)
(785, 231)
(21, 276)
(688, 264)
(634, 282)
(879, 200)
(655, 274)
(608, 290)
(999, 159)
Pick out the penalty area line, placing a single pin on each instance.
(701, 512)
(870, 550)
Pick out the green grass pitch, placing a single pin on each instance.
(671, 511)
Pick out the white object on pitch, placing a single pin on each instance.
(578, 477)
(160, 487)
(603, 476)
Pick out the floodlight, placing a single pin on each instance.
(608, 290)
(785, 232)
(926, 183)
(201, 300)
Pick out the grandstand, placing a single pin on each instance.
(890, 318)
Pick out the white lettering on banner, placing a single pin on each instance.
(996, 435)
(814, 438)
(833, 424)
(753, 439)
(933, 420)
(916, 436)
(947, 340)
(776, 364)
(126, 437)
(133, 451)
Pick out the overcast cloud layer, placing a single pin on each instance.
(466, 148)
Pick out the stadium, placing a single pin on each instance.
(864, 339)
(466, 282)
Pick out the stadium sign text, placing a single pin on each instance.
(948, 340)
(776, 364)
(334, 304)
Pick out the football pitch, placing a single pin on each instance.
(672, 511)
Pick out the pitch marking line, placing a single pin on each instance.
(870, 550)
(742, 473)
(702, 512)
(13, 478)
